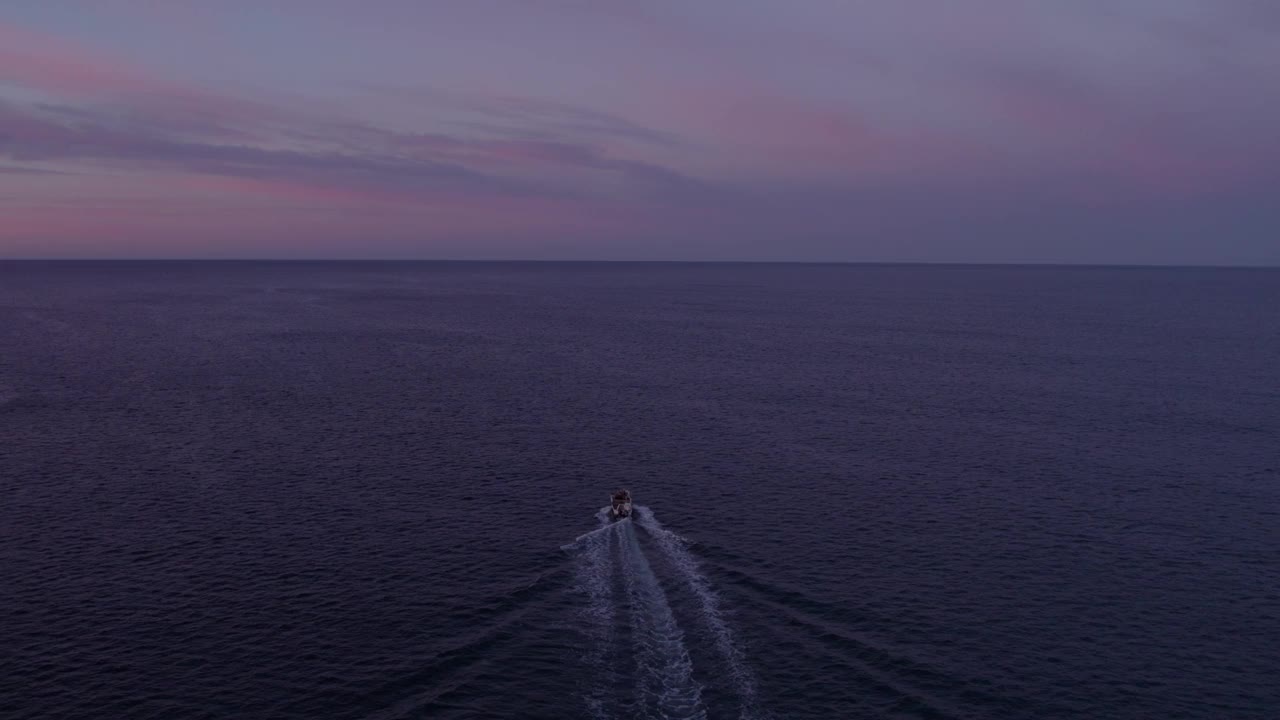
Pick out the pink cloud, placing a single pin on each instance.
(1074, 128)
(52, 65)
(37, 61)
(308, 194)
(186, 225)
(752, 136)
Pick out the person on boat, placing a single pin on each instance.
(620, 498)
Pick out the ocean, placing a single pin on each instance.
(374, 490)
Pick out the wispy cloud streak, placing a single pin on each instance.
(727, 129)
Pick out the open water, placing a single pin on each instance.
(372, 490)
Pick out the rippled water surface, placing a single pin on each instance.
(273, 490)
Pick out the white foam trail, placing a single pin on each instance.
(676, 550)
(605, 526)
(665, 668)
(583, 538)
(595, 580)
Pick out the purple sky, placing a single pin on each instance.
(1128, 131)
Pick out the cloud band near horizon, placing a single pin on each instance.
(1126, 132)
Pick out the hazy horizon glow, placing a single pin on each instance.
(1125, 131)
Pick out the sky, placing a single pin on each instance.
(1036, 131)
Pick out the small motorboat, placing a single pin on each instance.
(620, 505)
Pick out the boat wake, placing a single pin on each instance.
(637, 659)
(594, 580)
(677, 550)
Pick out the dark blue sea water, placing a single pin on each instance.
(273, 490)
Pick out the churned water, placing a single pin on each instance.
(372, 490)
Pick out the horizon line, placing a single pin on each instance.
(586, 261)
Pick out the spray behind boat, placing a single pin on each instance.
(638, 663)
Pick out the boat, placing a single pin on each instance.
(620, 505)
